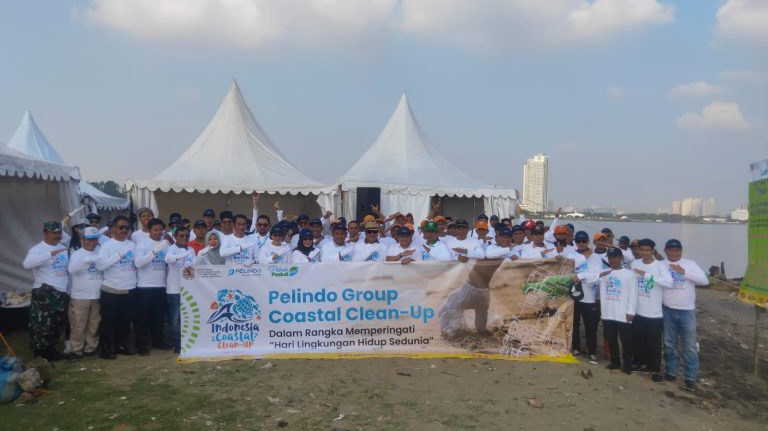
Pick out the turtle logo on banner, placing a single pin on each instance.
(235, 306)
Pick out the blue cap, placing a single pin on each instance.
(305, 234)
(614, 252)
(209, 213)
(623, 239)
(461, 223)
(405, 230)
(343, 220)
(516, 228)
(606, 230)
(276, 229)
(505, 232)
(93, 216)
(316, 221)
(340, 226)
(581, 236)
(302, 217)
(293, 226)
(673, 243)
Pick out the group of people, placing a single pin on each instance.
(99, 285)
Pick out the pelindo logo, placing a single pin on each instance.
(244, 271)
(283, 271)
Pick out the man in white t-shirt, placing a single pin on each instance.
(618, 306)
(433, 248)
(337, 250)
(464, 247)
(405, 251)
(84, 311)
(370, 249)
(48, 261)
(152, 276)
(679, 305)
(239, 248)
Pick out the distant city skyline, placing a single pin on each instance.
(536, 184)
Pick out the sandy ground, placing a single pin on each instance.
(155, 392)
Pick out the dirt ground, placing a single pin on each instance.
(157, 393)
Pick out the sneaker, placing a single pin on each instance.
(639, 369)
(123, 350)
(689, 385)
(593, 359)
(657, 377)
(670, 378)
(576, 352)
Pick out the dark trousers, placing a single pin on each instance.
(619, 331)
(646, 334)
(47, 318)
(591, 317)
(117, 311)
(150, 308)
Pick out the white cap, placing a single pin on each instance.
(91, 233)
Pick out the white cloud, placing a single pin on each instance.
(715, 116)
(744, 21)
(616, 92)
(242, 24)
(696, 89)
(483, 25)
(745, 76)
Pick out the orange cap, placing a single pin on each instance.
(439, 219)
(481, 225)
(561, 229)
(599, 235)
(368, 218)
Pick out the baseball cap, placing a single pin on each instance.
(371, 226)
(276, 229)
(581, 236)
(482, 217)
(430, 226)
(561, 229)
(598, 235)
(538, 230)
(494, 217)
(93, 216)
(439, 219)
(199, 223)
(516, 228)
(606, 230)
(461, 223)
(499, 226)
(369, 218)
(673, 243)
(539, 223)
(404, 230)
(83, 222)
(481, 225)
(302, 218)
(570, 226)
(614, 252)
(624, 239)
(305, 234)
(505, 232)
(91, 233)
(226, 214)
(174, 220)
(209, 213)
(316, 221)
(52, 226)
(528, 224)
(339, 226)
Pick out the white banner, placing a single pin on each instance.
(353, 309)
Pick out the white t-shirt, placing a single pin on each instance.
(650, 287)
(51, 270)
(86, 278)
(682, 294)
(116, 259)
(618, 295)
(495, 251)
(373, 252)
(299, 257)
(177, 259)
(437, 251)
(544, 251)
(139, 236)
(150, 263)
(239, 251)
(472, 245)
(588, 270)
(332, 252)
(283, 252)
(526, 251)
(396, 249)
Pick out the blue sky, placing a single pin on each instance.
(637, 103)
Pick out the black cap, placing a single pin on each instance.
(276, 229)
(209, 213)
(93, 216)
(174, 215)
(505, 232)
(340, 226)
(302, 218)
(606, 230)
(175, 220)
(461, 223)
(316, 221)
(624, 239)
(482, 217)
(405, 230)
(673, 243)
(614, 252)
(517, 228)
(538, 230)
(226, 214)
(200, 223)
(581, 236)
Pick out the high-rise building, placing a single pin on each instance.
(708, 207)
(677, 207)
(741, 213)
(536, 183)
(686, 207)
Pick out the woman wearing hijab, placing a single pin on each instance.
(306, 250)
(210, 254)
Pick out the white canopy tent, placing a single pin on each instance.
(30, 140)
(33, 191)
(409, 170)
(229, 161)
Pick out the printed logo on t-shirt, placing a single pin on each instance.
(374, 257)
(678, 279)
(158, 262)
(241, 257)
(581, 268)
(60, 263)
(126, 262)
(93, 273)
(613, 289)
(644, 286)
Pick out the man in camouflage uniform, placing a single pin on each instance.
(48, 261)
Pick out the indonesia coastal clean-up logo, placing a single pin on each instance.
(233, 321)
(283, 271)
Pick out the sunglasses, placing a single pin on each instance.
(124, 227)
(262, 224)
(372, 232)
(581, 241)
